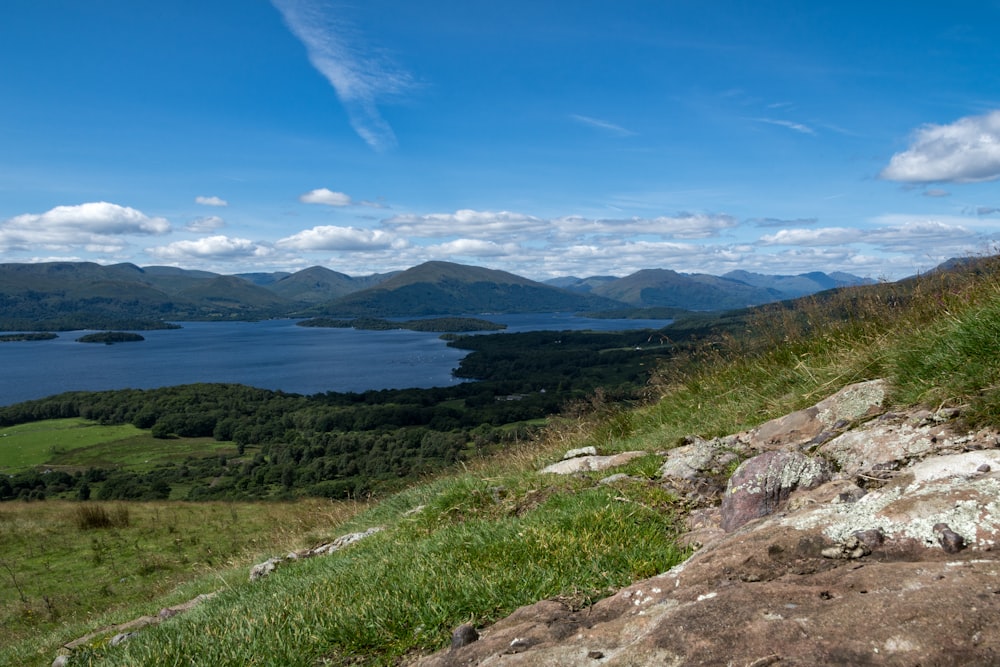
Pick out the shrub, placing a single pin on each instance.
(88, 516)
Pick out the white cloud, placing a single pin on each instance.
(602, 125)
(210, 247)
(206, 224)
(360, 78)
(680, 226)
(329, 237)
(211, 201)
(507, 225)
(473, 248)
(827, 236)
(798, 127)
(325, 196)
(966, 151)
(468, 223)
(95, 224)
(778, 222)
(936, 192)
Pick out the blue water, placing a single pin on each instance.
(273, 354)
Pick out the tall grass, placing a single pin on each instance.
(477, 550)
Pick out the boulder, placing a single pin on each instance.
(761, 484)
(881, 446)
(822, 421)
(699, 458)
(590, 463)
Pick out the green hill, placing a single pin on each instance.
(665, 288)
(444, 288)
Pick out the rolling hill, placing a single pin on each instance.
(76, 295)
(444, 288)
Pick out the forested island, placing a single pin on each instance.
(433, 324)
(111, 337)
(19, 337)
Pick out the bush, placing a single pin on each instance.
(88, 517)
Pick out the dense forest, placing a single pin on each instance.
(346, 444)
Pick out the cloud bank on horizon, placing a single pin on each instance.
(611, 140)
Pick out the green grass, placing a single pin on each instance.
(497, 534)
(34, 444)
(78, 444)
(479, 549)
(59, 581)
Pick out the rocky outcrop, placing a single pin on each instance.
(261, 570)
(761, 484)
(871, 540)
(588, 462)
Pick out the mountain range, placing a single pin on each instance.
(74, 295)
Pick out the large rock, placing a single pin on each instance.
(834, 582)
(591, 463)
(881, 446)
(823, 420)
(699, 458)
(894, 562)
(762, 484)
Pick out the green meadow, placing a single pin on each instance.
(77, 444)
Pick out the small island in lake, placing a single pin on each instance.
(111, 337)
(434, 324)
(12, 338)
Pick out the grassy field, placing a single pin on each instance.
(61, 577)
(474, 544)
(35, 444)
(77, 444)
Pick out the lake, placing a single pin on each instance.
(273, 354)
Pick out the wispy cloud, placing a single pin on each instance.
(208, 223)
(798, 127)
(966, 151)
(779, 222)
(602, 125)
(360, 76)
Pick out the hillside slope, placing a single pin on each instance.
(475, 546)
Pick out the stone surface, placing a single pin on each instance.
(762, 484)
(701, 458)
(591, 463)
(808, 426)
(893, 562)
(261, 570)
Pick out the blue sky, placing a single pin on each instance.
(544, 138)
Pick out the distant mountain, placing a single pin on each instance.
(795, 286)
(84, 295)
(317, 285)
(263, 279)
(229, 296)
(74, 295)
(651, 288)
(585, 285)
(444, 288)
